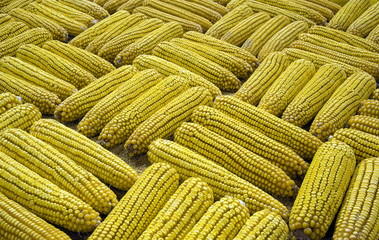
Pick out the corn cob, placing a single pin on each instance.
(365, 124)
(88, 154)
(374, 35)
(12, 29)
(240, 32)
(18, 223)
(83, 39)
(15, 4)
(234, 3)
(30, 73)
(36, 36)
(163, 123)
(366, 22)
(44, 100)
(46, 161)
(223, 183)
(45, 199)
(239, 67)
(181, 212)
(194, 62)
(212, 5)
(343, 104)
(324, 11)
(264, 225)
(223, 220)
(110, 50)
(55, 65)
(311, 98)
(167, 68)
(5, 18)
(33, 20)
(286, 86)
(334, 7)
(375, 94)
(124, 123)
(8, 101)
(112, 5)
(369, 107)
(79, 103)
(101, 2)
(129, 5)
(139, 206)
(88, 7)
(21, 116)
(283, 38)
(5, 3)
(327, 180)
(262, 78)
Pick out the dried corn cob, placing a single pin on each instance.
(88, 154)
(46, 161)
(55, 65)
(21, 116)
(30, 73)
(374, 35)
(212, 5)
(370, 107)
(12, 29)
(223, 220)
(327, 180)
(124, 123)
(88, 7)
(15, 4)
(78, 104)
(334, 7)
(139, 206)
(366, 22)
(185, 207)
(342, 105)
(324, 11)
(129, 5)
(311, 98)
(365, 124)
(262, 78)
(146, 44)
(167, 68)
(5, 18)
(8, 101)
(112, 5)
(283, 38)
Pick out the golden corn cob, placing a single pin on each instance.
(167, 68)
(366, 22)
(36, 36)
(240, 32)
(322, 190)
(369, 107)
(5, 18)
(46, 161)
(139, 206)
(262, 78)
(87, 6)
(375, 94)
(223, 183)
(185, 207)
(165, 121)
(239, 67)
(283, 38)
(15, 4)
(264, 225)
(44, 100)
(311, 98)
(124, 123)
(212, 5)
(129, 5)
(357, 218)
(234, 3)
(30, 73)
(12, 29)
(194, 62)
(365, 124)
(334, 7)
(286, 86)
(343, 104)
(21, 116)
(146, 44)
(101, 163)
(79, 103)
(45, 199)
(5, 3)
(374, 35)
(8, 101)
(223, 220)
(324, 11)
(112, 5)
(33, 20)
(55, 65)
(100, 2)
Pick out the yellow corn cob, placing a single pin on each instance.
(101, 2)
(366, 22)
(374, 35)
(139, 206)
(86, 153)
(12, 29)
(311, 98)
(55, 65)
(165, 121)
(30, 73)
(365, 124)
(5, 3)
(36, 36)
(212, 5)
(223, 183)
(15, 4)
(322, 190)
(283, 38)
(262, 78)
(124, 123)
(44, 100)
(334, 7)
(5, 18)
(286, 87)
(110, 49)
(146, 44)
(223, 220)
(112, 5)
(167, 68)
(21, 116)
(18, 223)
(129, 5)
(264, 225)
(181, 212)
(370, 107)
(375, 94)
(324, 11)
(194, 62)
(79, 103)
(240, 32)
(8, 101)
(342, 105)
(88, 7)
(234, 3)
(239, 67)
(57, 168)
